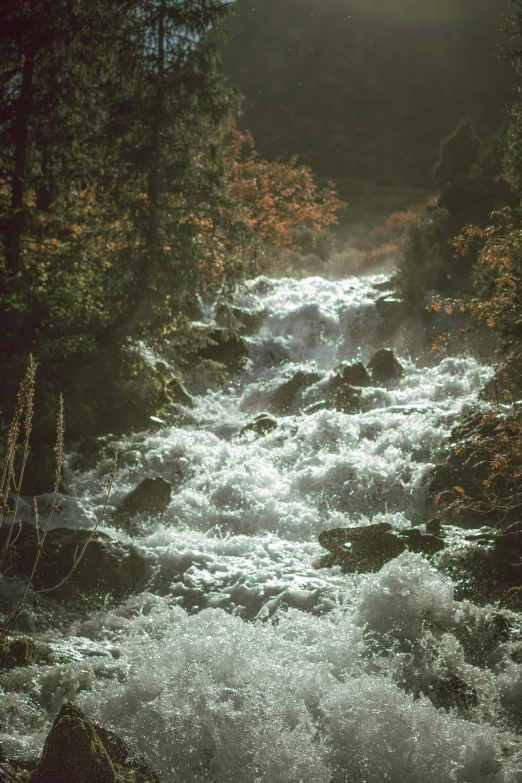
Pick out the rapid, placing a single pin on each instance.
(241, 659)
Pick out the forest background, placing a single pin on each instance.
(132, 193)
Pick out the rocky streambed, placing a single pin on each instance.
(271, 596)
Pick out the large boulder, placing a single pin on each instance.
(108, 572)
(367, 549)
(17, 652)
(284, 397)
(384, 367)
(78, 751)
(150, 497)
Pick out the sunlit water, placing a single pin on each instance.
(241, 660)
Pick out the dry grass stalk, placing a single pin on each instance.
(24, 411)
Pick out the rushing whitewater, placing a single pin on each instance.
(243, 661)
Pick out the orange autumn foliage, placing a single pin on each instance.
(278, 199)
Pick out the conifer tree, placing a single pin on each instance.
(458, 153)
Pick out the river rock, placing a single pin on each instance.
(150, 497)
(285, 395)
(17, 652)
(262, 425)
(108, 571)
(224, 348)
(384, 367)
(354, 374)
(178, 393)
(367, 549)
(78, 751)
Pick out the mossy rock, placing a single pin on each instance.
(108, 571)
(17, 652)
(78, 751)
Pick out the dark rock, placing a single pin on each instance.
(354, 374)
(434, 527)
(89, 452)
(17, 652)
(150, 497)
(78, 751)
(109, 571)
(178, 393)
(388, 285)
(361, 549)
(384, 367)
(224, 348)
(285, 395)
(423, 543)
(369, 548)
(40, 476)
(261, 425)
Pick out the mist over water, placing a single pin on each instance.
(241, 660)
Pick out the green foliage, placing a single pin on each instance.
(115, 211)
(458, 153)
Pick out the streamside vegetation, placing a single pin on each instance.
(469, 249)
(126, 201)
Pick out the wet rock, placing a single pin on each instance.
(224, 348)
(367, 549)
(89, 452)
(78, 750)
(422, 543)
(109, 571)
(285, 395)
(360, 549)
(388, 285)
(434, 527)
(384, 367)
(178, 393)
(262, 425)
(354, 374)
(17, 652)
(150, 497)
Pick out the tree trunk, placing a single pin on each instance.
(151, 234)
(14, 227)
